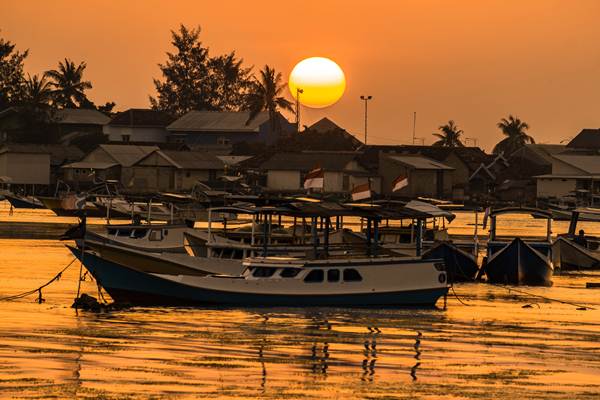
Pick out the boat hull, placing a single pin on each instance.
(460, 266)
(126, 285)
(55, 204)
(569, 256)
(18, 202)
(519, 264)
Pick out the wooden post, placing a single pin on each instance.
(419, 237)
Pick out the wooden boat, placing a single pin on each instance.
(460, 265)
(361, 282)
(572, 252)
(30, 202)
(153, 238)
(57, 205)
(514, 261)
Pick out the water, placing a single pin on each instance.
(490, 348)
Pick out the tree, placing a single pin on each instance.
(516, 137)
(265, 95)
(12, 78)
(36, 111)
(192, 80)
(69, 86)
(450, 136)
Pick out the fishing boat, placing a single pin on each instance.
(514, 260)
(460, 265)
(272, 281)
(577, 251)
(156, 238)
(30, 202)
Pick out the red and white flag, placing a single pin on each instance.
(361, 192)
(314, 179)
(399, 183)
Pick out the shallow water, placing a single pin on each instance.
(492, 347)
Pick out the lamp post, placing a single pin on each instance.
(298, 92)
(366, 100)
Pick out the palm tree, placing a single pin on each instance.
(69, 86)
(265, 95)
(36, 110)
(37, 94)
(516, 137)
(450, 136)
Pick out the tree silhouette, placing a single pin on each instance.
(12, 78)
(36, 111)
(450, 136)
(265, 95)
(516, 137)
(69, 86)
(192, 80)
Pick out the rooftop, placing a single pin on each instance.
(218, 121)
(193, 159)
(81, 116)
(127, 155)
(420, 162)
(589, 164)
(586, 139)
(329, 161)
(142, 117)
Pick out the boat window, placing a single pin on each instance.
(314, 276)
(352, 275)
(166, 232)
(155, 236)
(263, 272)
(333, 275)
(289, 272)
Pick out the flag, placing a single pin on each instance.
(486, 215)
(399, 183)
(361, 192)
(314, 179)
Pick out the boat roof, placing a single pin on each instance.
(588, 210)
(534, 212)
(376, 210)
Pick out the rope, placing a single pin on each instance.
(579, 306)
(39, 289)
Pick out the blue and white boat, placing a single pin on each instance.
(273, 281)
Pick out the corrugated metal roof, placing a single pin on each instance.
(193, 159)
(81, 117)
(24, 148)
(418, 162)
(127, 155)
(90, 165)
(586, 139)
(588, 164)
(329, 161)
(218, 121)
(142, 117)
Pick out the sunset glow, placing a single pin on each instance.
(321, 80)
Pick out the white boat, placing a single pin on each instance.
(577, 251)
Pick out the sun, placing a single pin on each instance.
(321, 81)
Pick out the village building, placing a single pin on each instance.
(24, 164)
(140, 126)
(224, 128)
(323, 135)
(286, 172)
(106, 162)
(171, 170)
(66, 125)
(426, 177)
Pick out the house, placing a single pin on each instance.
(228, 127)
(573, 175)
(25, 164)
(484, 180)
(464, 161)
(586, 140)
(426, 177)
(66, 125)
(138, 126)
(323, 135)
(342, 171)
(171, 170)
(106, 162)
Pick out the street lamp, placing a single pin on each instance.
(298, 92)
(366, 100)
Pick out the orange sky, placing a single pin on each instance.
(471, 61)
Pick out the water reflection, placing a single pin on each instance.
(413, 370)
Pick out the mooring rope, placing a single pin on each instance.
(520, 291)
(39, 289)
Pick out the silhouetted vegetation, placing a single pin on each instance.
(516, 137)
(11, 73)
(449, 136)
(193, 80)
(68, 85)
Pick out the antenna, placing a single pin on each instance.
(414, 126)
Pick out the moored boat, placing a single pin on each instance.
(269, 281)
(29, 202)
(460, 265)
(577, 251)
(516, 261)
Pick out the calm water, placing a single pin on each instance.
(490, 348)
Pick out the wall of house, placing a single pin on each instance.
(26, 168)
(283, 180)
(562, 168)
(136, 134)
(461, 173)
(187, 179)
(333, 182)
(152, 179)
(555, 187)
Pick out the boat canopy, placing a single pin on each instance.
(534, 212)
(588, 210)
